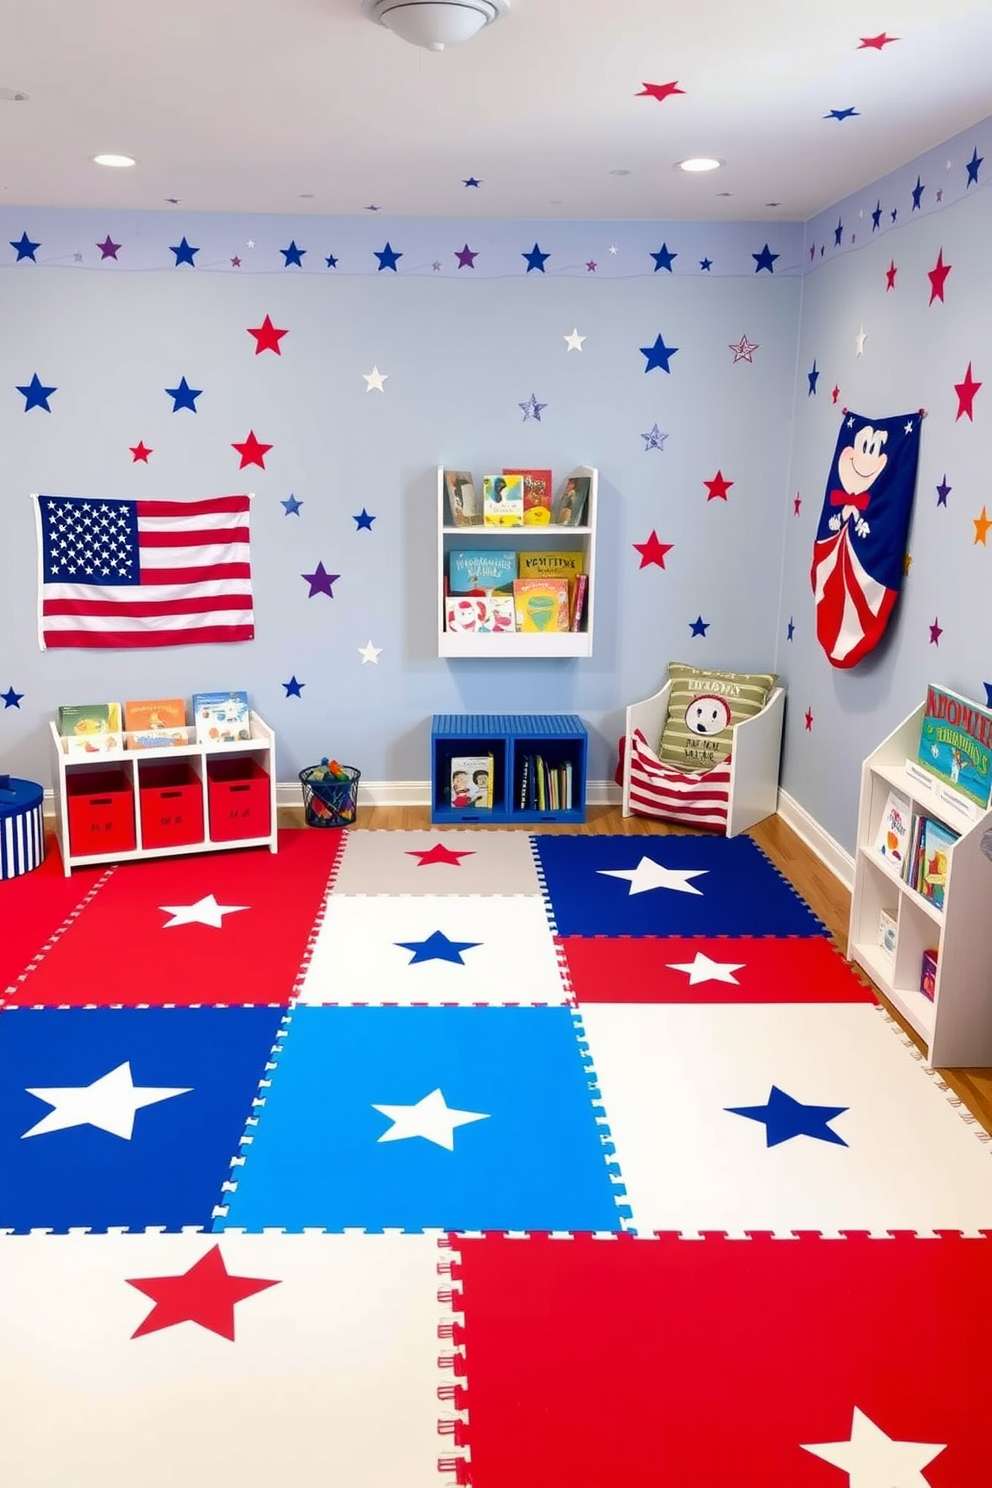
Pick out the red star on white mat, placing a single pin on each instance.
(438, 854)
(206, 1294)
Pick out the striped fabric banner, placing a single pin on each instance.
(657, 789)
(121, 574)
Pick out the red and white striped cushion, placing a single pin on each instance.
(700, 798)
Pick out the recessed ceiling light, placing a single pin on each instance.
(699, 163)
(117, 162)
(619, 172)
(13, 95)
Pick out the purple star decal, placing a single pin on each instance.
(590, 266)
(466, 258)
(943, 491)
(235, 262)
(320, 581)
(108, 248)
(532, 409)
(936, 631)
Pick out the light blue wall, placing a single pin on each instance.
(914, 353)
(462, 348)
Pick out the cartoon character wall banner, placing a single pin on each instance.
(860, 548)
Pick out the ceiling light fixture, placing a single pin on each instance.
(435, 24)
(116, 162)
(13, 95)
(699, 163)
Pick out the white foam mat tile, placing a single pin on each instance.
(905, 1158)
(434, 950)
(448, 862)
(344, 1343)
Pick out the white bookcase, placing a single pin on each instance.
(957, 1026)
(139, 767)
(581, 539)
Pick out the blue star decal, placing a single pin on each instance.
(699, 626)
(294, 688)
(437, 947)
(24, 248)
(972, 166)
(785, 1118)
(838, 233)
(764, 260)
(705, 264)
(811, 377)
(893, 214)
(292, 506)
(918, 191)
(36, 395)
(658, 355)
(532, 409)
(654, 439)
(292, 255)
(535, 259)
(876, 217)
(988, 694)
(331, 261)
(848, 113)
(388, 257)
(363, 520)
(664, 258)
(791, 629)
(184, 396)
(471, 182)
(11, 699)
(943, 491)
(184, 253)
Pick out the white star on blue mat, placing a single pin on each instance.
(784, 1118)
(431, 1118)
(702, 969)
(205, 911)
(873, 1459)
(651, 875)
(108, 1104)
(437, 947)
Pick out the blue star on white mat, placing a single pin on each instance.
(292, 506)
(654, 439)
(536, 259)
(294, 688)
(24, 248)
(36, 395)
(664, 258)
(699, 626)
(374, 380)
(846, 113)
(765, 260)
(11, 699)
(651, 875)
(574, 341)
(108, 1104)
(293, 255)
(743, 350)
(703, 969)
(532, 409)
(658, 355)
(917, 194)
(370, 653)
(873, 1459)
(437, 947)
(205, 911)
(388, 257)
(431, 1118)
(364, 520)
(184, 396)
(972, 167)
(785, 1118)
(184, 253)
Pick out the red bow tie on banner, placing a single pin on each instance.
(844, 498)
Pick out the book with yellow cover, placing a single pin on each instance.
(541, 604)
(562, 564)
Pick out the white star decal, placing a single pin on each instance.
(613, 248)
(108, 1104)
(574, 341)
(431, 1118)
(370, 653)
(874, 1460)
(860, 340)
(374, 380)
(702, 969)
(205, 911)
(651, 875)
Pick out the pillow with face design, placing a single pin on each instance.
(703, 707)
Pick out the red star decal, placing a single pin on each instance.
(797, 502)
(717, 487)
(252, 452)
(205, 1294)
(653, 551)
(937, 276)
(936, 631)
(890, 276)
(660, 91)
(834, 393)
(140, 451)
(809, 720)
(966, 395)
(439, 854)
(876, 42)
(267, 337)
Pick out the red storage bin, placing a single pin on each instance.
(171, 803)
(101, 812)
(238, 794)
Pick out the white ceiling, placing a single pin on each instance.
(306, 106)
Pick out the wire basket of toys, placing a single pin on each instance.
(330, 794)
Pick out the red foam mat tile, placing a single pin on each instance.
(763, 969)
(34, 907)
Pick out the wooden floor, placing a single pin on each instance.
(825, 895)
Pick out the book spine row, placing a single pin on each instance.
(545, 787)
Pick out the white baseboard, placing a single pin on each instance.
(418, 793)
(819, 841)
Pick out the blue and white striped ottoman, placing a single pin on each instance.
(22, 829)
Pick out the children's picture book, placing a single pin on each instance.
(537, 496)
(580, 590)
(484, 614)
(937, 841)
(221, 717)
(928, 973)
(502, 501)
(569, 507)
(463, 503)
(83, 720)
(956, 743)
(541, 604)
(561, 564)
(893, 835)
(471, 781)
(155, 723)
(481, 570)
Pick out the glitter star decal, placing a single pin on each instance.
(36, 394)
(363, 521)
(320, 581)
(765, 260)
(532, 409)
(140, 451)
(653, 551)
(267, 337)
(252, 451)
(184, 253)
(658, 355)
(660, 91)
(743, 350)
(108, 248)
(536, 259)
(717, 487)
(388, 257)
(466, 258)
(292, 505)
(294, 688)
(937, 276)
(966, 396)
(654, 439)
(292, 256)
(24, 248)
